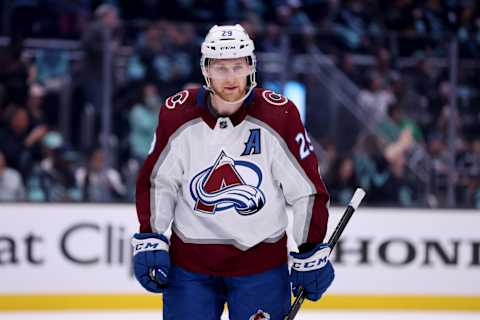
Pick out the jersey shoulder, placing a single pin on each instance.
(275, 109)
(179, 109)
(182, 99)
(271, 98)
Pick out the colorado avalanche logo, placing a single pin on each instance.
(178, 98)
(274, 98)
(228, 184)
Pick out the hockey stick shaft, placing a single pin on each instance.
(352, 206)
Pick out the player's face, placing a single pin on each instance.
(229, 77)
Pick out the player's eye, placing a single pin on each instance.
(240, 67)
(221, 69)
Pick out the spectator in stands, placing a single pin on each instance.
(354, 24)
(382, 170)
(13, 74)
(53, 179)
(165, 56)
(442, 116)
(371, 166)
(99, 183)
(143, 121)
(384, 64)
(399, 188)
(400, 134)
(20, 138)
(348, 68)
(376, 98)
(183, 54)
(414, 105)
(11, 185)
(142, 63)
(392, 126)
(342, 180)
(422, 77)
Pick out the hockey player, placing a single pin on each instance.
(225, 162)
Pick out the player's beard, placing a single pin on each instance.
(223, 102)
(232, 95)
(221, 89)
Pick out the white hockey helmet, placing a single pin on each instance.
(228, 42)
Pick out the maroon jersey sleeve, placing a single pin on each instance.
(177, 111)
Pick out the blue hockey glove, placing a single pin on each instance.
(313, 271)
(151, 261)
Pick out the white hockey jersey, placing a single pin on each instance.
(225, 183)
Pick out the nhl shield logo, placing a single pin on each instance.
(228, 184)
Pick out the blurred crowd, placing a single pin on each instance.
(155, 53)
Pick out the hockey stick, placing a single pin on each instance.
(352, 206)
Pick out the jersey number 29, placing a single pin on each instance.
(305, 145)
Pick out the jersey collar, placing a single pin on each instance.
(211, 119)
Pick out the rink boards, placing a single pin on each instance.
(78, 257)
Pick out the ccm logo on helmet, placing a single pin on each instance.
(178, 98)
(274, 98)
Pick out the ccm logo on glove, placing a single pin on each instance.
(150, 244)
(314, 262)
